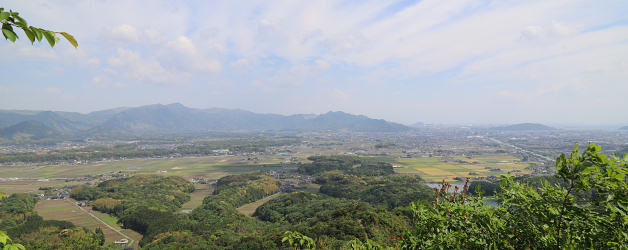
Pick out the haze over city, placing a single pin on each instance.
(552, 62)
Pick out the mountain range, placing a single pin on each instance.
(524, 127)
(176, 118)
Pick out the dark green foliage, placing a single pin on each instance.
(27, 228)
(322, 164)
(152, 191)
(149, 222)
(455, 221)
(100, 236)
(238, 190)
(486, 187)
(34, 222)
(217, 220)
(563, 215)
(347, 164)
(389, 191)
(336, 219)
(17, 204)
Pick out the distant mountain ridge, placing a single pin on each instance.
(624, 128)
(30, 130)
(524, 127)
(176, 118)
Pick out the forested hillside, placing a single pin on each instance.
(25, 227)
(582, 206)
(177, 119)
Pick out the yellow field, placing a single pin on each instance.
(434, 169)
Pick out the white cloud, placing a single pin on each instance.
(125, 32)
(133, 65)
(183, 45)
(515, 51)
(105, 82)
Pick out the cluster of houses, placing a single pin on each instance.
(290, 181)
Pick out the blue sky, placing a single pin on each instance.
(548, 61)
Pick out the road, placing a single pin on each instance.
(522, 150)
(131, 241)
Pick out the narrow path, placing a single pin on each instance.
(131, 241)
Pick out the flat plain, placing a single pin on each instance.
(435, 169)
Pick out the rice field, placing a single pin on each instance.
(435, 169)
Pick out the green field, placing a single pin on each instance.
(196, 197)
(434, 169)
(250, 208)
(212, 167)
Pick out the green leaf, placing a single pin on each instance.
(14, 247)
(9, 34)
(29, 34)
(70, 39)
(3, 237)
(37, 32)
(4, 15)
(50, 36)
(20, 20)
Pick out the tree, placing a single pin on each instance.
(298, 240)
(554, 216)
(12, 20)
(101, 236)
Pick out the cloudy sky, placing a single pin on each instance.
(458, 61)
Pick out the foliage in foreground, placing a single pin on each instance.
(549, 217)
(27, 230)
(10, 19)
(586, 209)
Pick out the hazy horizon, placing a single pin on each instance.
(446, 62)
(603, 126)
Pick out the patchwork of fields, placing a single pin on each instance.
(30, 178)
(435, 169)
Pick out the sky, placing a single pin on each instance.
(434, 61)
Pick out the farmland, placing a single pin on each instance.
(211, 166)
(436, 168)
(68, 211)
(16, 179)
(196, 197)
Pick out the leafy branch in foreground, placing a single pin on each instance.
(298, 240)
(12, 19)
(5, 243)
